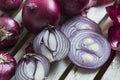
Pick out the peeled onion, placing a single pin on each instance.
(51, 43)
(89, 49)
(38, 14)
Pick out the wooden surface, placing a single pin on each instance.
(64, 69)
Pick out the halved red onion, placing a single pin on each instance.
(78, 23)
(89, 49)
(7, 66)
(9, 32)
(52, 43)
(32, 67)
(114, 13)
(114, 37)
(10, 5)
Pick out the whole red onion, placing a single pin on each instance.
(9, 32)
(10, 5)
(72, 7)
(7, 66)
(37, 14)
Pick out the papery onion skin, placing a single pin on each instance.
(38, 14)
(114, 37)
(79, 23)
(82, 53)
(32, 61)
(72, 7)
(7, 66)
(114, 12)
(9, 32)
(10, 5)
(42, 44)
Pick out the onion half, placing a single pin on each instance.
(32, 67)
(89, 49)
(52, 43)
(78, 23)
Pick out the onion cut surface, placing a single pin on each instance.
(52, 43)
(32, 67)
(89, 49)
(79, 23)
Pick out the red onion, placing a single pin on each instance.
(114, 37)
(7, 66)
(9, 32)
(38, 14)
(78, 23)
(32, 67)
(114, 13)
(89, 49)
(72, 7)
(51, 43)
(10, 5)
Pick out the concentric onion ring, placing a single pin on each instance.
(79, 23)
(89, 49)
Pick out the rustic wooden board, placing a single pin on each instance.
(64, 69)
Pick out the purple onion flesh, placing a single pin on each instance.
(78, 23)
(7, 66)
(52, 43)
(89, 49)
(32, 67)
(9, 32)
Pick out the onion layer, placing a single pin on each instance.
(38, 14)
(79, 23)
(7, 66)
(51, 43)
(32, 67)
(89, 49)
(9, 32)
